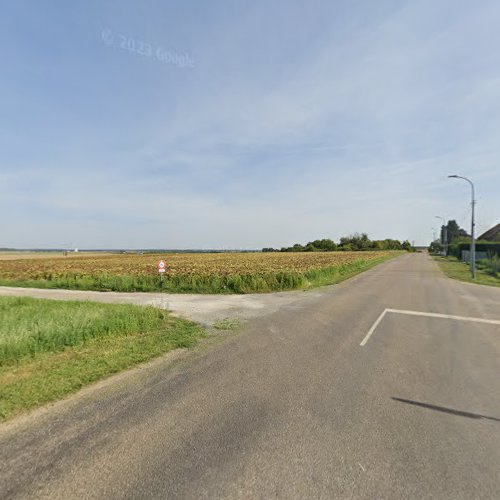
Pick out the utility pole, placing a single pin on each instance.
(473, 223)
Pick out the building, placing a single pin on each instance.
(492, 234)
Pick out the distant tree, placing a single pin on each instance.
(356, 241)
(435, 247)
(393, 244)
(406, 245)
(344, 241)
(311, 248)
(454, 231)
(442, 235)
(328, 245)
(364, 242)
(324, 245)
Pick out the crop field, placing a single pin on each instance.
(23, 254)
(190, 272)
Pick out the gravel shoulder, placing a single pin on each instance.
(204, 309)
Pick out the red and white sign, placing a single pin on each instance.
(161, 266)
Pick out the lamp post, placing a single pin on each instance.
(472, 240)
(445, 234)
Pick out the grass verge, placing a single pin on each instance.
(50, 349)
(455, 269)
(336, 274)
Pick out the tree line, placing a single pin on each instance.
(354, 242)
(452, 233)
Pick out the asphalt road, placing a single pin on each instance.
(294, 406)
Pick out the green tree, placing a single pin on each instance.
(356, 241)
(453, 231)
(435, 247)
(406, 245)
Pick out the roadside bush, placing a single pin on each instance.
(491, 266)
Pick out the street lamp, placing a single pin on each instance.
(472, 241)
(445, 233)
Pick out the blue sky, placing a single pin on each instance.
(293, 121)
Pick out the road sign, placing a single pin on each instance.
(161, 266)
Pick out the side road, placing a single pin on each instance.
(205, 309)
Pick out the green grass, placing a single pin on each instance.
(227, 324)
(227, 284)
(49, 349)
(453, 268)
(336, 274)
(490, 266)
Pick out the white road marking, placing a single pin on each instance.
(427, 314)
(446, 316)
(372, 329)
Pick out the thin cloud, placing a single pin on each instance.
(294, 124)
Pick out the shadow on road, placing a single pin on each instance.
(445, 410)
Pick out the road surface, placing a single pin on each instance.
(294, 406)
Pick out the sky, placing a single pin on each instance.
(236, 124)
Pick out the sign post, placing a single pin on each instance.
(161, 271)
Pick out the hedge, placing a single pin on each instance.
(490, 247)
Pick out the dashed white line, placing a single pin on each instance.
(427, 314)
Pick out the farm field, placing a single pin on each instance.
(21, 254)
(190, 273)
